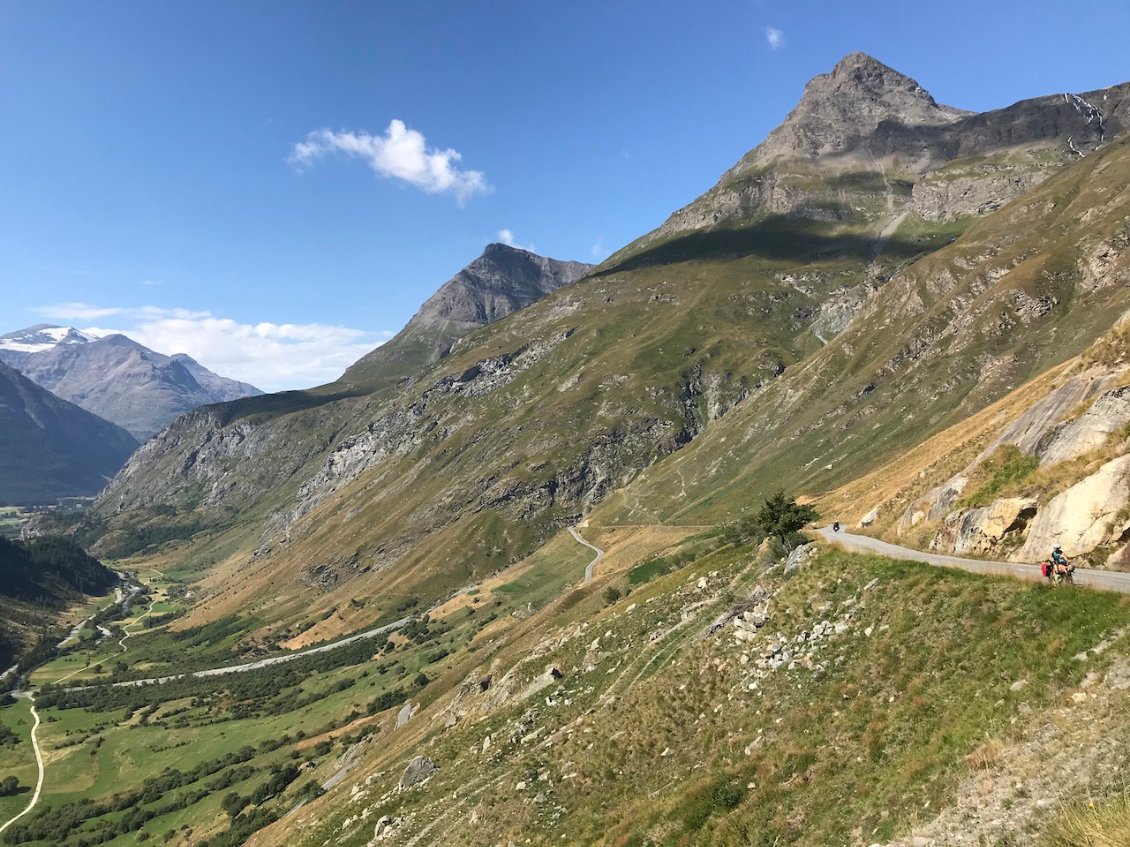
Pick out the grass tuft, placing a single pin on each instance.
(1091, 825)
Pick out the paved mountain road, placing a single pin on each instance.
(599, 553)
(266, 663)
(1102, 580)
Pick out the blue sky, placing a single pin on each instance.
(274, 187)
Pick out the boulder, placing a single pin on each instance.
(1027, 431)
(405, 714)
(980, 530)
(418, 770)
(800, 557)
(933, 505)
(1083, 516)
(384, 827)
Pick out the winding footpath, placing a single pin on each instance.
(599, 553)
(1102, 580)
(38, 762)
(129, 632)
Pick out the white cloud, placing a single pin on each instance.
(506, 236)
(274, 357)
(76, 312)
(775, 38)
(598, 249)
(400, 153)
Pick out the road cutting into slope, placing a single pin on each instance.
(599, 553)
(1102, 580)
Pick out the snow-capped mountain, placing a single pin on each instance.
(116, 378)
(42, 337)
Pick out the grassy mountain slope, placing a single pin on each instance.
(723, 322)
(652, 734)
(1021, 290)
(53, 448)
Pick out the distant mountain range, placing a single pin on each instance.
(115, 377)
(52, 448)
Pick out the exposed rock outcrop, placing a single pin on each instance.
(418, 770)
(1107, 416)
(1084, 516)
(982, 529)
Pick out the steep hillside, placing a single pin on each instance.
(53, 448)
(117, 378)
(727, 321)
(1020, 291)
(233, 463)
(41, 577)
(847, 701)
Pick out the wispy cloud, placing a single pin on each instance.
(399, 153)
(775, 38)
(507, 237)
(153, 282)
(76, 312)
(598, 249)
(273, 356)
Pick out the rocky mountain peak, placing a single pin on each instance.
(34, 339)
(501, 280)
(842, 109)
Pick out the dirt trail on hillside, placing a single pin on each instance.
(1102, 580)
(38, 762)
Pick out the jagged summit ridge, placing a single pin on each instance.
(503, 279)
(867, 144)
(841, 109)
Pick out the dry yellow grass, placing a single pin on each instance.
(1091, 825)
(918, 470)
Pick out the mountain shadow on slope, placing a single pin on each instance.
(53, 448)
(776, 238)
